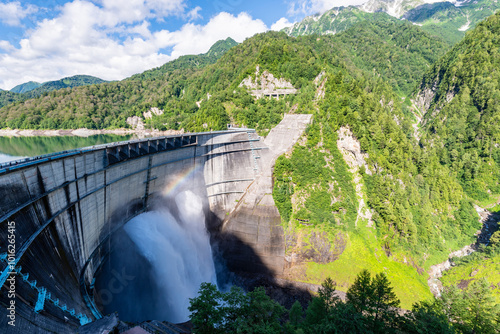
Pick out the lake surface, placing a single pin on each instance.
(13, 148)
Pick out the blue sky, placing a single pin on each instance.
(113, 39)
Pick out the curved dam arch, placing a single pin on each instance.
(59, 212)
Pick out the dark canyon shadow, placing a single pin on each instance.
(237, 263)
(126, 282)
(490, 225)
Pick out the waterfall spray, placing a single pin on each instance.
(176, 245)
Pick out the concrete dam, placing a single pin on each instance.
(58, 213)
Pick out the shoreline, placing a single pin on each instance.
(82, 132)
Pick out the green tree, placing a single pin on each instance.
(261, 314)
(295, 317)
(376, 300)
(472, 310)
(328, 314)
(384, 304)
(495, 239)
(206, 313)
(360, 292)
(426, 318)
(320, 306)
(235, 311)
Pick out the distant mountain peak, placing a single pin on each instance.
(398, 8)
(26, 87)
(220, 47)
(446, 19)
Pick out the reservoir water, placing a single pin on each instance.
(14, 148)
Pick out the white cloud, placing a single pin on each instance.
(11, 13)
(194, 14)
(82, 40)
(6, 46)
(141, 29)
(308, 7)
(130, 11)
(280, 24)
(194, 39)
(166, 7)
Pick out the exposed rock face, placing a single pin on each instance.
(394, 8)
(266, 84)
(351, 149)
(424, 99)
(149, 114)
(303, 249)
(198, 103)
(351, 152)
(320, 83)
(490, 224)
(318, 249)
(135, 122)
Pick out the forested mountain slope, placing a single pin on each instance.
(109, 104)
(460, 98)
(70, 82)
(25, 87)
(447, 20)
(32, 89)
(7, 97)
(451, 20)
(397, 51)
(331, 22)
(189, 61)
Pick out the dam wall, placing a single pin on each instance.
(58, 212)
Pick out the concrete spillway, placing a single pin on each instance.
(58, 212)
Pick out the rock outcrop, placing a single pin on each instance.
(351, 149)
(266, 84)
(135, 122)
(351, 152)
(149, 114)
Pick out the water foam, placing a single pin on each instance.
(178, 251)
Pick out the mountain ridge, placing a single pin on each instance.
(448, 19)
(25, 87)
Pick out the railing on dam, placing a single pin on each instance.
(124, 149)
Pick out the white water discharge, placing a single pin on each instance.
(178, 251)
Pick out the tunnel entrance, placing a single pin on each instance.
(157, 262)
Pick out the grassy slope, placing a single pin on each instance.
(474, 268)
(314, 166)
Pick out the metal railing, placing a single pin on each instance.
(14, 164)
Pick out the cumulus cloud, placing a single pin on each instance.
(6, 46)
(194, 14)
(194, 39)
(136, 10)
(280, 24)
(11, 13)
(308, 7)
(82, 39)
